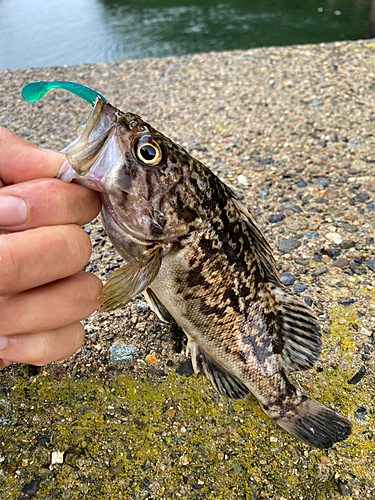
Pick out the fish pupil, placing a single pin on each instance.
(148, 152)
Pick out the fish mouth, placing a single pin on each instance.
(91, 147)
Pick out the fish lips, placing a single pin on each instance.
(91, 158)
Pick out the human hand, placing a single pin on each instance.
(43, 294)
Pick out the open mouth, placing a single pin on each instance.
(82, 153)
(87, 149)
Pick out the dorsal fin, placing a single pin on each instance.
(224, 382)
(259, 243)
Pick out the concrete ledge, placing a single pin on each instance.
(292, 130)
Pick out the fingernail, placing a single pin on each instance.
(13, 211)
(3, 343)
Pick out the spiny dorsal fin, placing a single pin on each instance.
(129, 281)
(156, 306)
(298, 330)
(224, 382)
(259, 243)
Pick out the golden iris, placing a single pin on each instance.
(148, 151)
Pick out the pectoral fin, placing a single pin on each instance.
(129, 281)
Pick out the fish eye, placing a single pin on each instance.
(148, 151)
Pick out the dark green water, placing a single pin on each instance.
(45, 33)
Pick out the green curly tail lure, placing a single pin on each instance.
(34, 91)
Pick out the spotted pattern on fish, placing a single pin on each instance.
(198, 255)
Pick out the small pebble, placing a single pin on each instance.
(287, 279)
(343, 485)
(371, 206)
(354, 143)
(332, 252)
(151, 358)
(348, 244)
(264, 194)
(308, 300)
(370, 264)
(341, 262)
(299, 288)
(361, 197)
(360, 412)
(319, 271)
(346, 302)
(57, 457)
(276, 218)
(317, 257)
(301, 183)
(290, 206)
(301, 262)
(288, 245)
(334, 238)
(311, 235)
(32, 487)
(358, 376)
(317, 102)
(322, 181)
(357, 269)
(122, 352)
(142, 306)
(266, 161)
(185, 368)
(242, 180)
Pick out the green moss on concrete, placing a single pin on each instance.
(177, 439)
(331, 387)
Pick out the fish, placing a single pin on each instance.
(197, 255)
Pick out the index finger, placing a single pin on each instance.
(22, 161)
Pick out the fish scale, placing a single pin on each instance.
(198, 255)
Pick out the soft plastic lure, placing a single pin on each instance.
(34, 91)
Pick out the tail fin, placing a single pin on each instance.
(315, 424)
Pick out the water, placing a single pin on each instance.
(48, 33)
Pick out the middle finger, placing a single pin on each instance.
(38, 256)
(50, 306)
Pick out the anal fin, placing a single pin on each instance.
(129, 281)
(223, 382)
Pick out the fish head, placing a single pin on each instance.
(142, 176)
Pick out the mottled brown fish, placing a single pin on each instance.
(197, 254)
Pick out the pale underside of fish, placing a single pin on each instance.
(197, 255)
